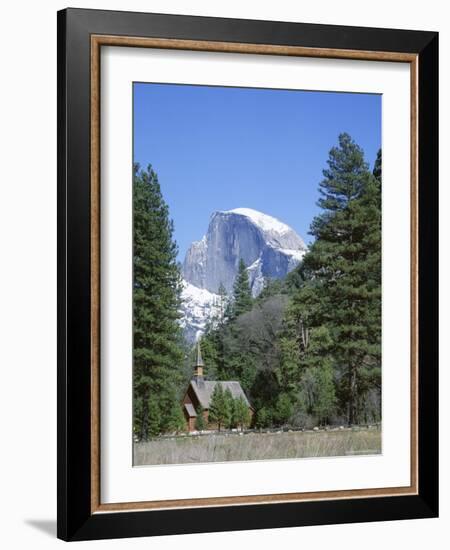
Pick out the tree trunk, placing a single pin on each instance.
(352, 396)
(144, 420)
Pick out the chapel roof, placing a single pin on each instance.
(205, 390)
(190, 409)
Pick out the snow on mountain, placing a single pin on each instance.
(269, 248)
(296, 254)
(198, 305)
(244, 234)
(256, 276)
(264, 221)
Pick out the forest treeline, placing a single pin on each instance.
(307, 350)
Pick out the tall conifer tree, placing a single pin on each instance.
(344, 268)
(242, 295)
(220, 409)
(157, 351)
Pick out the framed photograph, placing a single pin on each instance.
(247, 255)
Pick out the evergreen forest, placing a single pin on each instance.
(306, 350)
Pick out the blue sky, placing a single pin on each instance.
(217, 148)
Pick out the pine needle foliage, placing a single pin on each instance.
(157, 340)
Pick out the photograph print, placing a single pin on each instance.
(256, 274)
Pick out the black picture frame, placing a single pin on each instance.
(75, 518)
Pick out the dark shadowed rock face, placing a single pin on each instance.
(268, 247)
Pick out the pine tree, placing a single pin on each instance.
(288, 371)
(241, 414)
(234, 360)
(284, 409)
(228, 408)
(222, 304)
(220, 409)
(212, 342)
(300, 345)
(175, 419)
(242, 295)
(317, 383)
(344, 266)
(263, 418)
(200, 420)
(325, 399)
(169, 404)
(157, 349)
(317, 362)
(210, 347)
(153, 418)
(216, 406)
(218, 335)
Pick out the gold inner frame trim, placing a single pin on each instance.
(97, 41)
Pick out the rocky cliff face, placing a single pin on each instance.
(268, 247)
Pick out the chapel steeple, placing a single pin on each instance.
(198, 371)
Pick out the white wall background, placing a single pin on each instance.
(28, 272)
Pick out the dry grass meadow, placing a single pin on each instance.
(257, 446)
